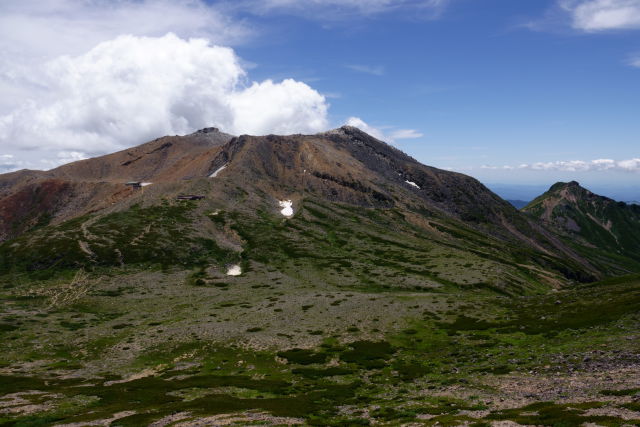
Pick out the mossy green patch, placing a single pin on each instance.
(303, 357)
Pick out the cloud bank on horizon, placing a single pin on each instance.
(630, 165)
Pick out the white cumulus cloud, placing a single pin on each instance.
(130, 89)
(391, 137)
(33, 32)
(280, 108)
(602, 15)
(367, 69)
(365, 127)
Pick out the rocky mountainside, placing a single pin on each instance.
(247, 178)
(34, 198)
(324, 279)
(591, 222)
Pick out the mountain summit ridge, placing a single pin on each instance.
(342, 169)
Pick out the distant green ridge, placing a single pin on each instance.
(595, 224)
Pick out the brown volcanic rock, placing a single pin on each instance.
(33, 204)
(344, 165)
(29, 198)
(286, 167)
(163, 159)
(347, 165)
(45, 201)
(12, 181)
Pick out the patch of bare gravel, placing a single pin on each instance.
(18, 403)
(521, 390)
(247, 418)
(612, 411)
(505, 423)
(138, 375)
(170, 419)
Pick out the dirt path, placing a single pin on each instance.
(88, 236)
(140, 236)
(84, 247)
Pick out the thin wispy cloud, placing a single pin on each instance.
(367, 69)
(629, 165)
(332, 95)
(365, 127)
(406, 134)
(634, 61)
(336, 10)
(591, 16)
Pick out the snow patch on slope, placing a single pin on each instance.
(413, 184)
(220, 169)
(234, 270)
(287, 207)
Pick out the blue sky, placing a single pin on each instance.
(482, 87)
(511, 92)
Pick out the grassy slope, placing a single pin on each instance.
(394, 326)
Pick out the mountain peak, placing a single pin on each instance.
(349, 131)
(349, 128)
(208, 130)
(596, 220)
(562, 185)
